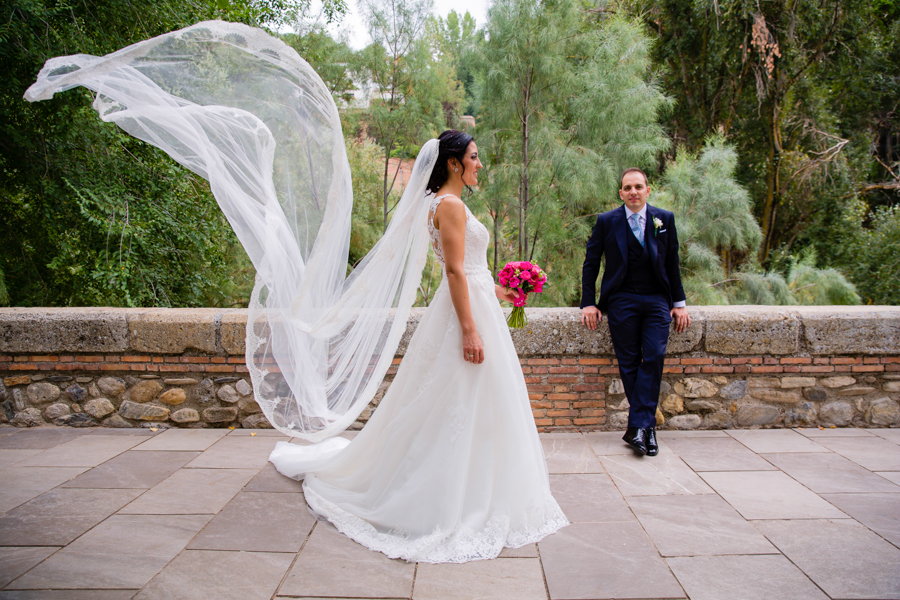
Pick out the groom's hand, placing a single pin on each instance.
(682, 318)
(590, 317)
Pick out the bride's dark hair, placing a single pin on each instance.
(451, 144)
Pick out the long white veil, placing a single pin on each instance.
(243, 110)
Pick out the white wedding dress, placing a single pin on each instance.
(449, 467)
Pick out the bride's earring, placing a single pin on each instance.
(455, 170)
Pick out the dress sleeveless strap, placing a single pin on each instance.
(436, 201)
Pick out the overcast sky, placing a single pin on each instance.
(358, 37)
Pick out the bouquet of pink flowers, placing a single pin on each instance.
(523, 278)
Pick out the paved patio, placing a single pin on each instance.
(113, 514)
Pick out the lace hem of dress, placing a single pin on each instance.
(458, 546)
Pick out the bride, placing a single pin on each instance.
(449, 468)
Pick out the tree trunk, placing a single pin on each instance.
(773, 182)
(523, 186)
(387, 161)
(494, 268)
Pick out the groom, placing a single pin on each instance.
(640, 293)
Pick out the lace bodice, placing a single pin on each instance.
(477, 238)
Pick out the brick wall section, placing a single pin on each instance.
(124, 363)
(797, 366)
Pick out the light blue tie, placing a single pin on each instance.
(636, 228)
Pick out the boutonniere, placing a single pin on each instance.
(656, 225)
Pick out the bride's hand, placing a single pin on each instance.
(473, 350)
(504, 294)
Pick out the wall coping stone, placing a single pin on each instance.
(716, 330)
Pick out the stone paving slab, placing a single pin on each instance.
(589, 498)
(191, 492)
(203, 575)
(21, 484)
(40, 438)
(697, 526)
(878, 512)
(60, 516)
(669, 434)
(526, 551)
(186, 440)
(653, 476)
(873, 453)
(123, 552)
(199, 513)
(832, 432)
(11, 457)
(717, 454)
(605, 560)
(892, 476)
(770, 495)
(335, 566)
(520, 578)
(15, 561)
(136, 431)
(131, 469)
(743, 577)
(891, 435)
(830, 473)
(775, 440)
(605, 443)
(237, 452)
(68, 595)
(270, 480)
(842, 557)
(84, 451)
(569, 453)
(258, 522)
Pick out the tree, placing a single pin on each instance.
(409, 86)
(334, 61)
(803, 89)
(715, 220)
(874, 257)
(456, 38)
(89, 215)
(714, 216)
(567, 102)
(273, 14)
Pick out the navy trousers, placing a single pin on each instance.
(639, 326)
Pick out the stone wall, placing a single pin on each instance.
(735, 367)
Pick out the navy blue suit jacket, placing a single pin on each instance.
(609, 238)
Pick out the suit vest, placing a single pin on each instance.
(640, 278)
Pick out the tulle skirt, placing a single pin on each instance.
(449, 467)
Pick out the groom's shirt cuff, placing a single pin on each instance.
(679, 304)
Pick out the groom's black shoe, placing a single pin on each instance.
(652, 445)
(637, 440)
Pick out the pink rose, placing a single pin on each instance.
(526, 275)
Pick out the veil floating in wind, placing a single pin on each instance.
(243, 110)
